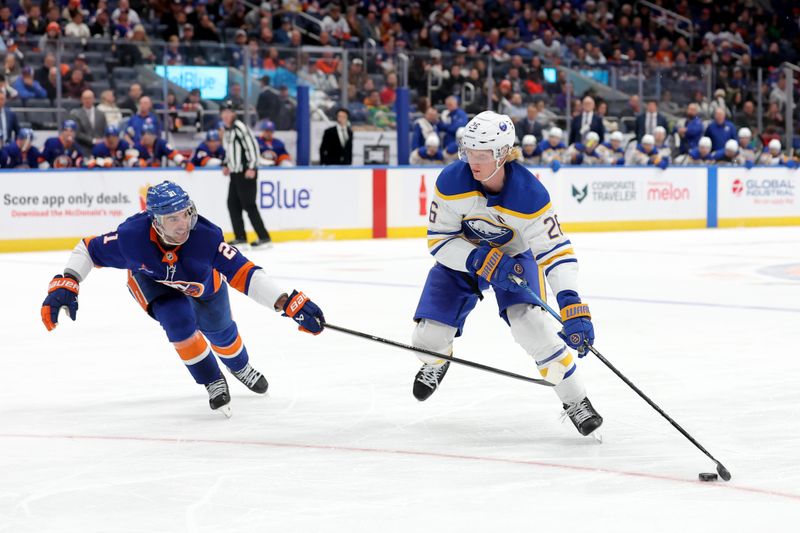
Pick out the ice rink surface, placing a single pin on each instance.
(103, 430)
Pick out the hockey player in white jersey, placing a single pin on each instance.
(612, 151)
(747, 151)
(773, 156)
(490, 218)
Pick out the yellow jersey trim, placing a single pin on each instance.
(521, 215)
(459, 196)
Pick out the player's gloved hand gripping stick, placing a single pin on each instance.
(587, 345)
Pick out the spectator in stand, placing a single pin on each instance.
(111, 151)
(20, 153)
(124, 6)
(9, 126)
(234, 96)
(6, 89)
(36, 23)
(143, 117)
(429, 153)
(74, 85)
(139, 46)
(424, 127)
(109, 108)
(514, 108)
(529, 125)
(779, 95)
(210, 152)
(585, 122)
(81, 64)
(335, 24)
(101, 27)
(356, 75)
(152, 150)
(748, 118)
(774, 119)
(91, 122)
(273, 151)
(172, 54)
(389, 92)
(11, 68)
(77, 28)
(547, 46)
(43, 72)
(647, 122)
(718, 103)
(720, 130)
(194, 103)
(207, 31)
(51, 84)
(61, 151)
(337, 142)
(122, 27)
(691, 130)
(131, 102)
(267, 103)
(27, 87)
(22, 37)
(451, 119)
(49, 41)
(191, 50)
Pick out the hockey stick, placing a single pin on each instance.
(721, 470)
(440, 356)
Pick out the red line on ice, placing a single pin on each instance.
(351, 449)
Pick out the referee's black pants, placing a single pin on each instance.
(242, 196)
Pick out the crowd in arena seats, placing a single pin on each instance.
(464, 56)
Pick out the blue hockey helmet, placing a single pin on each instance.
(112, 131)
(267, 125)
(212, 135)
(26, 134)
(165, 199)
(69, 124)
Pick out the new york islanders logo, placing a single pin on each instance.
(483, 231)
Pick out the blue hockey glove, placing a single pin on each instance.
(555, 165)
(749, 164)
(791, 164)
(62, 292)
(578, 328)
(663, 164)
(494, 266)
(308, 316)
(621, 162)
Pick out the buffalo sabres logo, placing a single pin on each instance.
(518, 270)
(503, 126)
(483, 231)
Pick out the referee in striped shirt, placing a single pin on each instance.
(241, 164)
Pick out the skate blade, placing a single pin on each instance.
(597, 436)
(225, 410)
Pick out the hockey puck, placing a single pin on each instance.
(707, 476)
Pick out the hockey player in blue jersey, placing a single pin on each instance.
(491, 219)
(179, 267)
(585, 153)
(429, 153)
(727, 156)
(612, 151)
(701, 155)
(151, 149)
(551, 149)
(273, 151)
(450, 151)
(61, 151)
(210, 152)
(647, 154)
(111, 151)
(20, 153)
(530, 150)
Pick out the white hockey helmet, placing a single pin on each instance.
(731, 146)
(591, 139)
(774, 145)
(617, 136)
(460, 133)
(529, 140)
(489, 131)
(432, 141)
(705, 142)
(648, 139)
(555, 131)
(745, 133)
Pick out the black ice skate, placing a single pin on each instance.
(252, 379)
(428, 379)
(219, 398)
(583, 416)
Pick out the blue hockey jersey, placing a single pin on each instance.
(59, 156)
(197, 268)
(12, 157)
(151, 157)
(203, 153)
(101, 149)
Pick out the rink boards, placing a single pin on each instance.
(47, 210)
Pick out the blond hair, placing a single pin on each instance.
(514, 154)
